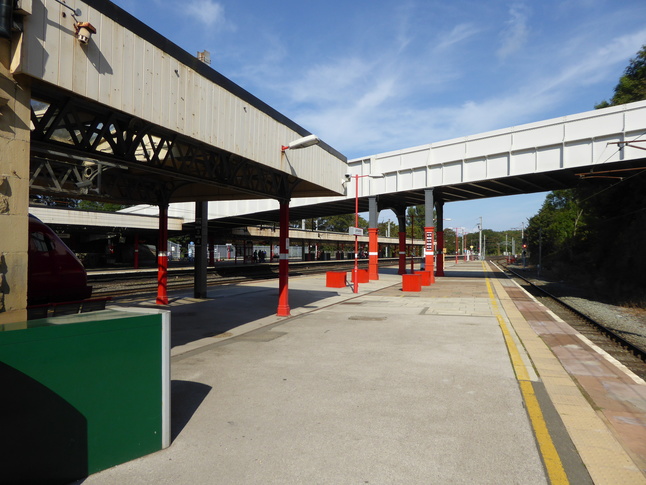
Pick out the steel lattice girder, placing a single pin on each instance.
(79, 132)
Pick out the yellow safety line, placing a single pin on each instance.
(551, 458)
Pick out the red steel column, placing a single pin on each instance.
(402, 253)
(162, 256)
(283, 266)
(429, 251)
(440, 253)
(373, 254)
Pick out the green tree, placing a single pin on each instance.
(632, 85)
(415, 221)
(581, 229)
(338, 223)
(558, 226)
(388, 228)
(93, 205)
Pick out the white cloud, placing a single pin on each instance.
(336, 80)
(515, 35)
(584, 68)
(458, 34)
(206, 12)
(399, 89)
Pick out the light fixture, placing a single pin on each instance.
(306, 141)
(84, 31)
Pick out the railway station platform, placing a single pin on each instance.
(468, 381)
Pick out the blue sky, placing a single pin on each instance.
(373, 76)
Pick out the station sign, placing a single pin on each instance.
(355, 231)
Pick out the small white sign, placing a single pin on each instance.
(355, 231)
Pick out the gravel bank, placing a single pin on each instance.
(630, 323)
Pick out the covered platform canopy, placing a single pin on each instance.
(128, 117)
(153, 124)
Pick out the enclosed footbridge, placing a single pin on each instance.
(547, 155)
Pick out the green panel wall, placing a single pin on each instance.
(104, 368)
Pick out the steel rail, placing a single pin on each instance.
(636, 350)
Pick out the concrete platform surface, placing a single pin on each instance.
(377, 387)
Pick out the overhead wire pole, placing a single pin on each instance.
(372, 241)
(480, 240)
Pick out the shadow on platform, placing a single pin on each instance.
(228, 310)
(186, 398)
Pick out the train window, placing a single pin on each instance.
(41, 242)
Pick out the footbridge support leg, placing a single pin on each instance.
(429, 234)
(439, 209)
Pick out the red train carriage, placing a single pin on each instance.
(55, 273)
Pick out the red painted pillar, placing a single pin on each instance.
(440, 253)
(283, 265)
(162, 256)
(373, 254)
(429, 251)
(402, 252)
(136, 253)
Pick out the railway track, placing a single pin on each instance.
(131, 284)
(625, 345)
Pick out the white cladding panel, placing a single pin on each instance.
(413, 159)
(548, 158)
(452, 173)
(475, 169)
(419, 178)
(593, 127)
(632, 152)
(498, 166)
(454, 150)
(529, 137)
(522, 162)
(635, 120)
(390, 183)
(497, 143)
(577, 154)
(126, 72)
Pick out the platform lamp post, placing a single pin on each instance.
(355, 230)
(283, 256)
